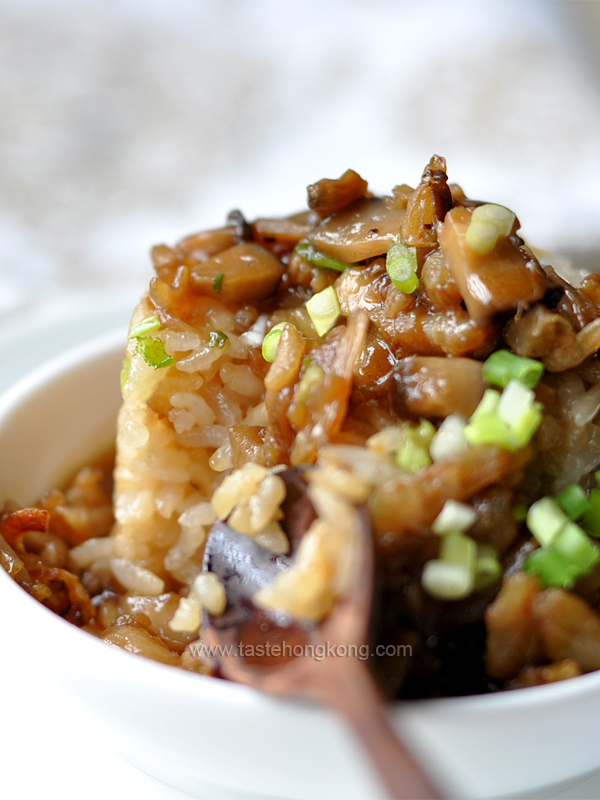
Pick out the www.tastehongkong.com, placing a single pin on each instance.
(318, 652)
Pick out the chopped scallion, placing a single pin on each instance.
(504, 366)
(218, 282)
(144, 326)
(310, 253)
(545, 520)
(271, 341)
(412, 456)
(324, 310)
(515, 400)
(312, 375)
(488, 571)
(500, 216)
(507, 420)
(524, 427)
(454, 517)
(447, 581)
(481, 236)
(154, 352)
(577, 548)
(487, 405)
(590, 520)
(552, 568)
(456, 548)
(573, 501)
(488, 223)
(490, 429)
(217, 339)
(449, 439)
(413, 453)
(401, 266)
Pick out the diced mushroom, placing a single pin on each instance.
(408, 503)
(512, 641)
(568, 628)
(438, 283)
(240, 274)
(507, 278)
(319, 416)
(365, 229)
(327, 196)
(437, 387)
(201, 246)
(428, 206)
(541, 333)
(280, 236)
(279, 385)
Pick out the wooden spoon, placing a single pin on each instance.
(345, 683)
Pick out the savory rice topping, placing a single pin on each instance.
(420, 368)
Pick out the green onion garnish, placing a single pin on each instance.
(507, 420)
(488, 405)
(449, 440)
(515, 400)
(590, 521)
(218, 282)
(144, 326)
(488, 223)
(546, 520)
(446, 581)
(551, 567)
(401, 266)
(413, 454)
(312, 375)
(310, 253)
(452, 575)
(454, 518)
(489, 429)
(577, 548)
(271, 341)
(154, 352)
(457, 548)
(488, 569)
(504, 366)
(566, 553)
(324, 310)
(573, 501)
(217, 339)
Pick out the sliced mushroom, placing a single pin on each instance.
(507, 278)
(541, 333)
(428, 386)
(428, 206)
(365, 229)
(240, 274)
(409, 503)
(280, 236)
(512, 641)
(568, 628)
(327, 196)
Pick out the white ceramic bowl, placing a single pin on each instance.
(219, 740)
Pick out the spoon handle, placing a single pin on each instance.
(352, 691)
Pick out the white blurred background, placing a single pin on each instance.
(131, 122)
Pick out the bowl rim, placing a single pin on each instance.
(111, 345)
